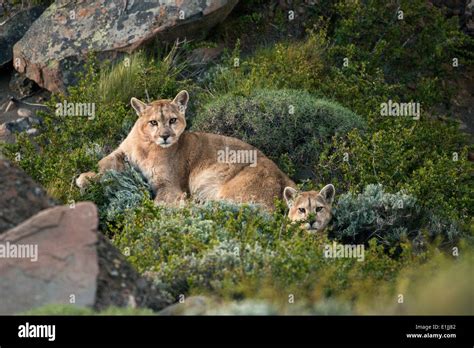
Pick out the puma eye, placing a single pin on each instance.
(153, 123)
(318, 209)
(302, 210)
(173, 120)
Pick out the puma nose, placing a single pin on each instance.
(164, 137)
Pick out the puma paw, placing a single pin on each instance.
(84, 179)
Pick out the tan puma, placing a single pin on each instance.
(206, 166)
(312, 208)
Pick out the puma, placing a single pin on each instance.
(312, 208)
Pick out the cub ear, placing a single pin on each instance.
(138, 105)
(290, 194)
(181, 100)
(328, 193)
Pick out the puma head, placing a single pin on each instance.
(311, 208)
(162, 121)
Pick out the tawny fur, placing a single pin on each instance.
(178, 163)
(312, 208)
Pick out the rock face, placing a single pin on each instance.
(13, 29)
(63, 267)
(56, 45)
(66, 260)
(20, 196)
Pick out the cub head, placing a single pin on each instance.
(312, 208)
(162, 121)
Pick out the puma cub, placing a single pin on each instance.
(205, 166)
(312, 208)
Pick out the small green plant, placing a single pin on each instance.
(115, 192)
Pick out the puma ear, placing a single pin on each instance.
(328, 193)
(290, 194)
(138, 105)
(181, 100)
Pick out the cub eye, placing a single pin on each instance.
(302, 210)
(153, 123)
(318, 209)
(173, 120)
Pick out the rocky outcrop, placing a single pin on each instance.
(59, 257)
(20, 196)
(13, 28)
(56, 45)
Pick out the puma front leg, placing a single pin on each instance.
(115, 161)
(167, 193)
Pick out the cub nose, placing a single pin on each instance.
(164, 137)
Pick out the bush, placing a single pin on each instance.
(425, 158)
(390, 218)
(115, 192)
(283, 124)
(292, 65)
(415, 50)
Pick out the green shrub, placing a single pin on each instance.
(425, 158)
(391, 218)
(416, 49)
(292, 65)
(116, 192)
(283, 124)
(238, 252)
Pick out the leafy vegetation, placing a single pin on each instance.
(426, 159)
(285, 124)
(389, 218)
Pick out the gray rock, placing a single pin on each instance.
(22, 124)
(56, 45)
(22, 85)
(13, 29)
